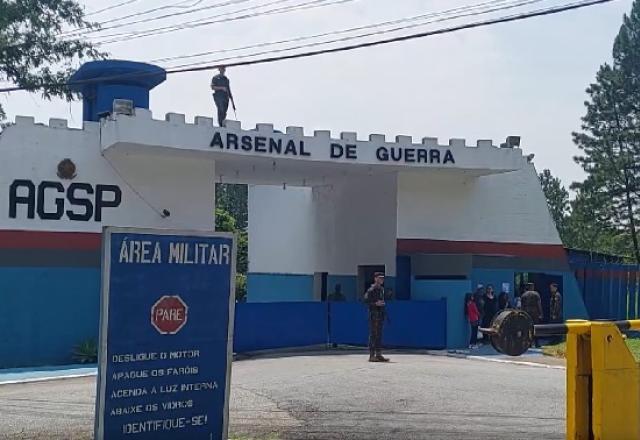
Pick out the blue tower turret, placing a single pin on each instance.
(100, 82)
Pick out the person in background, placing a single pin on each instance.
(503, 301)
(532, 305)
(490, 309)
(473, 317)
(478, 298)
(555, 306)
(374, 297)
(337, 294)
(555, 309)
(389, 294)
(517, 301)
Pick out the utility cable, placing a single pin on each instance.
(365, 35)
(326, 34)
(191, 10)
(131, 35)
(473, 25)
(109, 8)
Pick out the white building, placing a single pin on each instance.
(437, 217)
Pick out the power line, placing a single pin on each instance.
(151, 11)
(380, 32)
(326, 34)
(478, 24)
(309, 4)
(179, 5)
(109, 8)
(506, 19)
(349, 38)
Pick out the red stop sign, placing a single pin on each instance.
(169, 314)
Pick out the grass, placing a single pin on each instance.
(559, 350)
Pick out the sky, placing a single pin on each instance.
(526, 78)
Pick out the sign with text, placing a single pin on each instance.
(166, 331)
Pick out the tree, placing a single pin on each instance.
(233, 199)
(33, 54)
(610, 136)
(226, 223)
(586, 230)
(557, 199)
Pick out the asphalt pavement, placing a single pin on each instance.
(335, 395)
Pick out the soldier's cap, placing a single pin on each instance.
(378, 274)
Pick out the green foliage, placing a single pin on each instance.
(86, 352)
(609, 141)
(557, 199)
(225, 221)
(579, 222)
(560, 350)
(242, 264)
(232, 216)
(241, 287)
(33, 54)
(233, 199)
(585, 229)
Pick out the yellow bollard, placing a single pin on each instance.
(603, 383)
(616, 385)
(578, 355)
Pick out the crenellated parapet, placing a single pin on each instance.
(141, 133)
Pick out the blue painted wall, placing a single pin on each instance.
(403, 274)
(411, 324)
(495, 277)
(269, 287)
(45, 312)
(453, 291)
(275, 325)
(573, 305)
(349, 285)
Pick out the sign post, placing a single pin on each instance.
(166, 335)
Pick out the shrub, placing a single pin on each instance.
(86, 352)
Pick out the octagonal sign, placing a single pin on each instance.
(169, 314)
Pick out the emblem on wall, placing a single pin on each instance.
(66, 169)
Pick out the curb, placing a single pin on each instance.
(523, 363)
(46, 378)
(461, 355)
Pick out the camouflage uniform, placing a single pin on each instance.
(376, 319)
(555, 309)
(532, 305)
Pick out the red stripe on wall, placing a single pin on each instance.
(414, 246)
(50, 240)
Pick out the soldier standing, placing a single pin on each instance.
(555, 309)
(222, 94)
(374, 297)
(532, 305)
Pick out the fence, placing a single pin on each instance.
(410, 324)
(610, 289)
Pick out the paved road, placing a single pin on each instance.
(336, 396)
